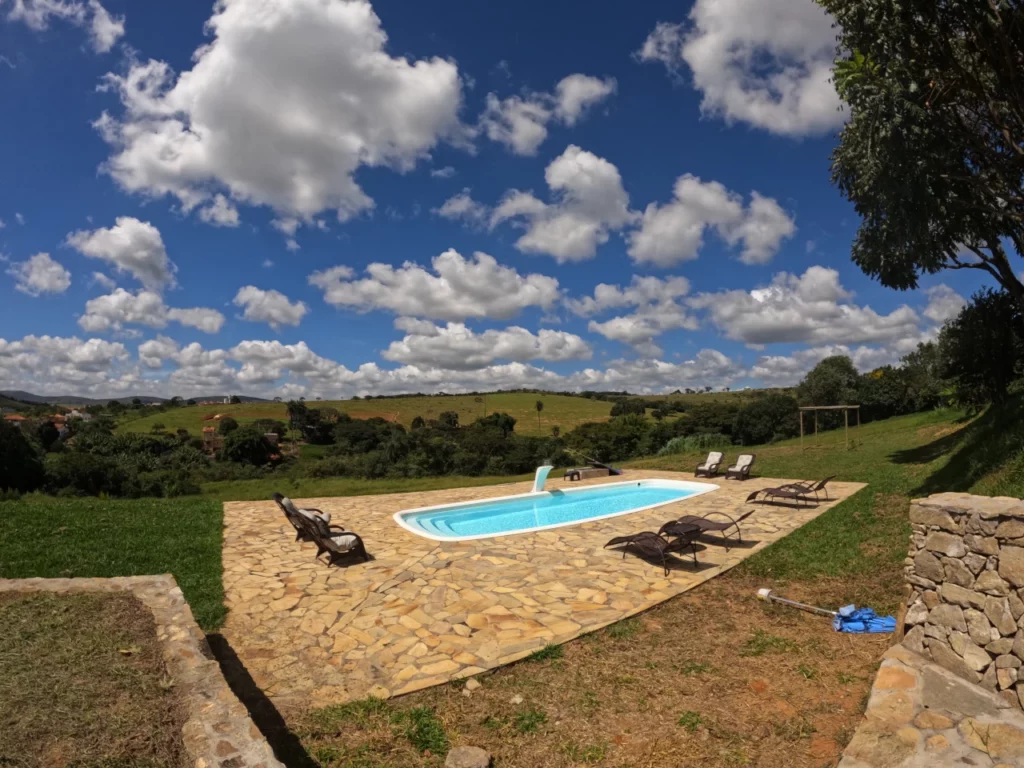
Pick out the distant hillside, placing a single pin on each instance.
(29, 397)
(560, 411)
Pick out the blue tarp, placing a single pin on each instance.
(861, 620)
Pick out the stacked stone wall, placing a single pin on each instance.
(965, 589)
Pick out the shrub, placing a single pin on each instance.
(75, 473)
(21, 469)
(624, 407)
(767, 418)
(247, 445)
(227, 425)
(695, 444)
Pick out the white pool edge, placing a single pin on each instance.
(699, 489)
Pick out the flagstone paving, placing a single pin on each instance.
(425, 612)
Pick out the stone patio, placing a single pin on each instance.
(425, 612)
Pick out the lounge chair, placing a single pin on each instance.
(741, 469)
(299, 517)
(710, 466)
(650, 544)
(683, 524)
(809, 488)
(771, 494)
(336, 541)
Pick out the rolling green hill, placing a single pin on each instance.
(562, 411)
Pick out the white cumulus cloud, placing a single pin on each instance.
(104, 30)
(456, 289)
(673, 233)
(281, 108)
(588, 202)
(456, 347)
(271, 307)
(767, 65)
(39, 275)
(131, 246)
(120, 308)
(813, 308)
(520, 122)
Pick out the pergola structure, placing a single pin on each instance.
(846, 418)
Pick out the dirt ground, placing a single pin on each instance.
(711, 678)
(83, 683)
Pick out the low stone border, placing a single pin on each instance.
(219, 731)
(920, 715)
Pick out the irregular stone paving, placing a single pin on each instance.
(425, 612)
(920, 715)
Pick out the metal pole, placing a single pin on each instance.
(770, 597)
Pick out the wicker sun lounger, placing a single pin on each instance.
(710, 466)
(723, 527)
(336, 541)
(772, 494)
(299, 518)
(658, 548)
(741, 469)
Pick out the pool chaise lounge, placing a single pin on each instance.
(706, 525)
(651, 545)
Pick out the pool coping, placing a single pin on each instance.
(399, 517)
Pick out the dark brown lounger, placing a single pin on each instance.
(808, 488)
(673, 527)
(652, 545)
(771, 494)
(336, 541)
(294, 517)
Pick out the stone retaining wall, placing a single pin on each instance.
(218, 732)
(965, 588)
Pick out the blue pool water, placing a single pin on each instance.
(516, 514)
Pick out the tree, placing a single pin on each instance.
(47, 434)
(932, 154)
(981, 348)
(418, 423)
(833, 381)
(540, 407)
(227, 425)
(20, 466)
(766, 419)
(449, 419)
(556, 431)
(247, 445)
(235, 400)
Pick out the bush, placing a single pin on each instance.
(247, 445)
(226, 426)
(769, 418)
(695, 444)
(76, 473)
(21, 468)
(624, 407)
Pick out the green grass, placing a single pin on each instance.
(547, 653)
(562, 411)
(57, 538)
(898, 458)
(311, 487)
(529, 720)
(690, 720)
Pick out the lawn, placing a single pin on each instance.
(56, 538)
(312, 487)
(83, 682)
(713, 677)
(560, 411)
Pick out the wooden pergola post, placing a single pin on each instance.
(801, 430)
(846, 427)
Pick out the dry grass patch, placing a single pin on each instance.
(711, 678)
(82, 682)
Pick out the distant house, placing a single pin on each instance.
(76, 414)
(14, 418)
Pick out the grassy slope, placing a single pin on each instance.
(559, 410)
(898, 458)
(56, 538)
(311, 487)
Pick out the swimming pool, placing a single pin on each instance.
(539, 511)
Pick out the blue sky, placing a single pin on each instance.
(193, 194)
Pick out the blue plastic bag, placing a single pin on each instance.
(862, 620)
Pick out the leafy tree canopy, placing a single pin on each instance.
(933, 154)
